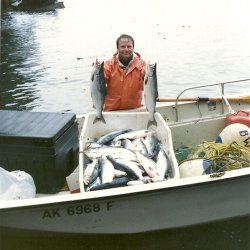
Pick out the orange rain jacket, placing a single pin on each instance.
(124, 87)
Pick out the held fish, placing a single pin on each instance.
(98, 90)
(151, 92)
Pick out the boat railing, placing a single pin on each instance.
(222, 87)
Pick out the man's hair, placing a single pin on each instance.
(124, 36)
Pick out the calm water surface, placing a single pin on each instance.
(46, 61)
(46, 57)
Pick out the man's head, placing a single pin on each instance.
(125, 47)
(124, 37)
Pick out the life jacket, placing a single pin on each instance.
(124, 86)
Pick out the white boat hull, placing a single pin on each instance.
(166, 205)
(173, 203)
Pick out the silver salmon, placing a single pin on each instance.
(151, 142)
(116, 152)
(148, 164)
(162, 164)
(119, 173)
(140, 146)
(117, 182)
(91, 172)
(110, 136)
(107, 170)
(134, 134)
(130, 167)
(98, 90)
(151, 92)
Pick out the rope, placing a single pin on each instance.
(223, 157)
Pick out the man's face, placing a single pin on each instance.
(125, 48)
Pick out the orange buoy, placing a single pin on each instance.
(239, 116)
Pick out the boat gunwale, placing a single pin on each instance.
(122, 192)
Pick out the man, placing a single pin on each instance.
(124, 74)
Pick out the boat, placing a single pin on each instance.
(43, 5)
(173, 203)
(15, 3)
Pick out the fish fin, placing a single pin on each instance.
(102, 65)
(157, 94)
(152, 123)
(86, 182)
(99, 119)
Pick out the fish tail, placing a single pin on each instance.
(152, 122)
(97, 119)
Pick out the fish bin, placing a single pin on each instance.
(117, 121)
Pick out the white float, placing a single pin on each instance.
(194, 167)
(236, 132)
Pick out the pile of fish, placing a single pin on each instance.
(124, 157)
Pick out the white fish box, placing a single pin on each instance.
(127, 120)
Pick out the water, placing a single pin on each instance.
(229, 235)
(46, 57)
(46, 61)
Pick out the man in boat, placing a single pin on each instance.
(124, 74)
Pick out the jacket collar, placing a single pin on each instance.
(135, 54)
(134, 61)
